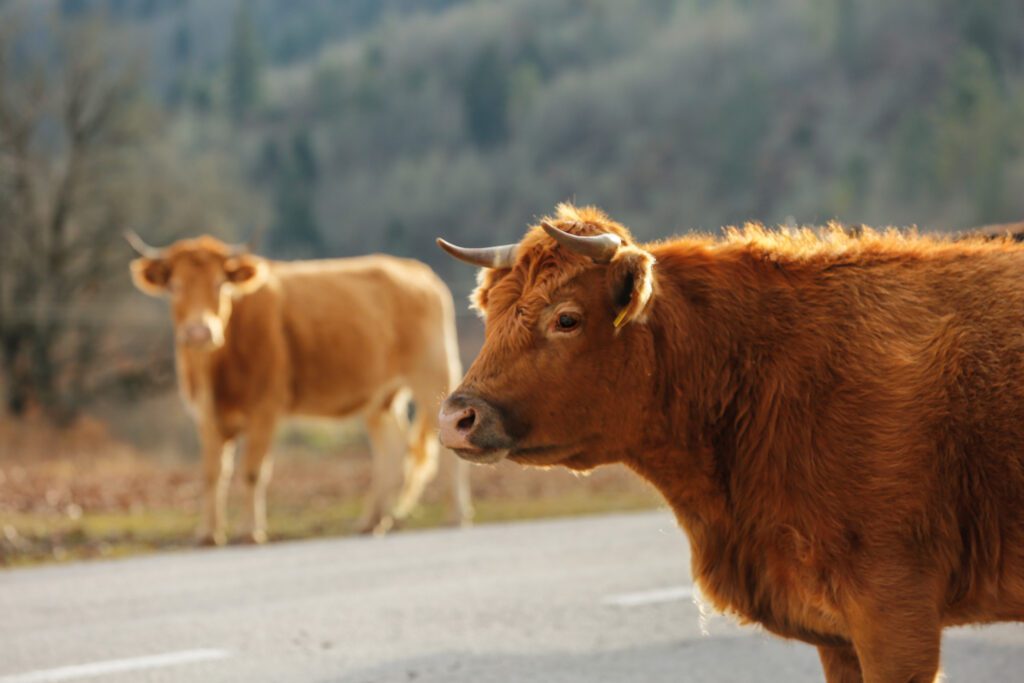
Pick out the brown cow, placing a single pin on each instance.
(1011, 231)
(257, 340)
(837, 422)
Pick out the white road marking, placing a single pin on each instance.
(671, 594)
(67, 673)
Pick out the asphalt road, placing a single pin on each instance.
(595, 599)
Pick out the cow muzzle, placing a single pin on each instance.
(202, 334)
(473, 428)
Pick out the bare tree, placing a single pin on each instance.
(82, 157)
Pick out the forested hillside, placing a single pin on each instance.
(337, 128)
(378, 124)
(316, 128)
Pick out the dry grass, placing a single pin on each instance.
(84, 493)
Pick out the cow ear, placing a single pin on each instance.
(631, 280)
(151, 275)
(246, 273)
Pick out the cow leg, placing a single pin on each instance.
(455, 479)
(218, 462)
(840, 663)
(387, 432)
(258, 467)
(897, 634)
(422, 461)
(420, 466)
(910, 657)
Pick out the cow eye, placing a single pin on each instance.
(567, 321)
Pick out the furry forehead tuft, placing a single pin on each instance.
(195, 245)
(542, 266)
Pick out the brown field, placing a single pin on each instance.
(85, 493)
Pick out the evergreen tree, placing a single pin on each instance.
(244, 64)
(485, 100)
(972, 120)
(293, 173)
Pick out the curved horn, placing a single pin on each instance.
(140, 247)
(601, 248)
(485, 257)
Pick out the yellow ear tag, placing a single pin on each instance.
(621, 317)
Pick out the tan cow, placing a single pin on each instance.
(837, 421)
(257, 340)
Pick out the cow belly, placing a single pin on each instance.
(798, 609)
(770, 580)
(333, 404)
(347, 398)
(805, 612)
(332, 382)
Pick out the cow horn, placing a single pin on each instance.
(140, 246)
(601, 248)
(485, 257)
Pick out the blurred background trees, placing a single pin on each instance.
(244, 84)
(70, 133)
(82, 160)
(375, 125)
(341, 127)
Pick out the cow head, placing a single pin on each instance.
(561, 370)
(201, 276)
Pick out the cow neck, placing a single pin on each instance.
(691, 391)
(195, 378)
(708, 344)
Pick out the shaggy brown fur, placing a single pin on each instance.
(837, 421)
(258, 340)
(1011, 231)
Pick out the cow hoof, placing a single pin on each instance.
(384, 526)
(254, 538)
(460, 522)
(364, 526)
(210, 540)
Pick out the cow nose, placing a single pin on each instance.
(457, 425)
(197, 334)
(470, 425)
